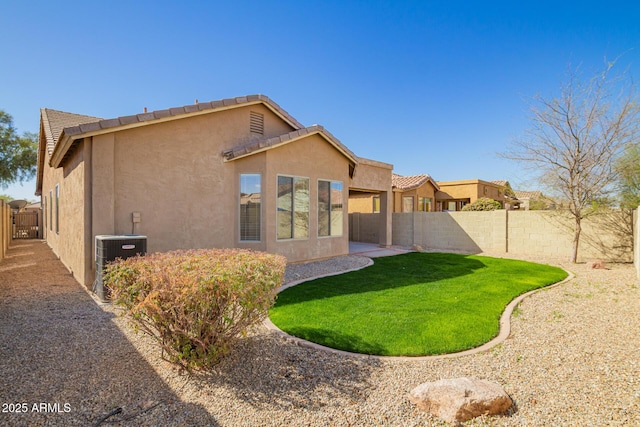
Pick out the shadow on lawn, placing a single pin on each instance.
(386, 273)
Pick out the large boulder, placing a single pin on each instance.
(460, 399)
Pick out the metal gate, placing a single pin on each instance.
(25, 225)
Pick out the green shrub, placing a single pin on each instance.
(195, 303)
(483, 204)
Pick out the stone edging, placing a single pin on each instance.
(503, 334)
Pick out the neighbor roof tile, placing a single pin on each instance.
(410, 182)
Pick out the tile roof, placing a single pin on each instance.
(54, 122)
(502, 183)
(528, 194)
(263, 144)
(63, 140)
(202, 107)
(410, 182)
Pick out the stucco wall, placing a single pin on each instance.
(472, 189)
(371, 175)
(361, 202)
(174, 175)
(69, 242)
(327, 164)
(544, 233)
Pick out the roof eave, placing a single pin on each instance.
(70, 134)
(229, 157)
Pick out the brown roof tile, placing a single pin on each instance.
(71, 127)
(521, 195)
(54, 121)
(410, 182)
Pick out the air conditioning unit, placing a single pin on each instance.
(108, 248)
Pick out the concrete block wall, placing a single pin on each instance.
(452, 231)
(606, 236)
(533, 233)
(402, 227)
(542, 233)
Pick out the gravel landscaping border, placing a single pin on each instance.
(572, 359)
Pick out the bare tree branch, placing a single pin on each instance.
(576, 139)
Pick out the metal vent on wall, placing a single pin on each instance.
(256, 123)
(108, 248)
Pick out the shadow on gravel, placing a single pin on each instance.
(63, 357)
(267, 371)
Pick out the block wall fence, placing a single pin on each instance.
(609, 236)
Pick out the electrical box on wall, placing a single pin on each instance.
(110, 247)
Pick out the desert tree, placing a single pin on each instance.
(628, 166)
(576, 138)
(18, 154)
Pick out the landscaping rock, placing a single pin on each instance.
(417, 248)
(460, 399)
(598, 264)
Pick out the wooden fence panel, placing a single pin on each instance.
(25, 225)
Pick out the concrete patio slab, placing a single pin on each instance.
(372, 250)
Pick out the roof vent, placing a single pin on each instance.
(256, 123)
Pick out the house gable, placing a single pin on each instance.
(52, 124)
(70, 135)
(270, 143)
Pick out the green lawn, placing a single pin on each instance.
(410, 305)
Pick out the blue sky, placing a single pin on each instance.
(435, 87)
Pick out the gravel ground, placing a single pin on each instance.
(573, 358)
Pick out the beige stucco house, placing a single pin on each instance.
(454, 195)
(410, 193)
(239, 172)
(414, 193)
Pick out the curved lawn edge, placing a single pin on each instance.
(503, 333)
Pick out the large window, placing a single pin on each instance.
(407, 204)
(293, 207)
(424, 204)
(250, 206)
(330, 208)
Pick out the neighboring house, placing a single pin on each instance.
(239, 173)
(414, 193)
(33, 207)
(410, 193)
(454, 195)
(534, 200)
